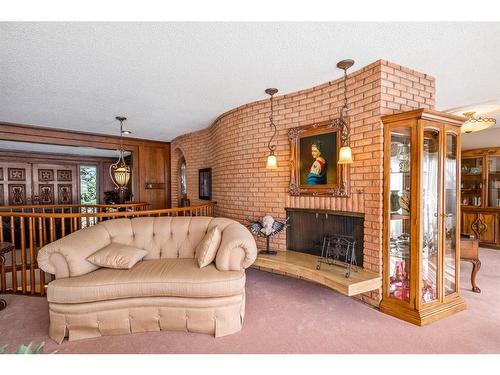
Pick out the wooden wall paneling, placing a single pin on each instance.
(153, 169)
(140, 167)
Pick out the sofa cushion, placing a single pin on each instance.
(207, 248)
(117, 256)
(148, 278)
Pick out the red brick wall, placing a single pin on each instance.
(235, 147)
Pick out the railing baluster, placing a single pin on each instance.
(3, 278)
(14, 261)
(52, 230)
(23, 254)
(32, 255)
(44, 227)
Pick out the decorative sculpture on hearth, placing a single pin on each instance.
(269, 227)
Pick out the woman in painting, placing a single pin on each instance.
(317, 174)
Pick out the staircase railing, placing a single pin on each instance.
(29, 229)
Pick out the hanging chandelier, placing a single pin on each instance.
(120, 172)
(272, 162)
(345, 152)
(474, 124)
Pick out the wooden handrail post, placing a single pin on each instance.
(22, 235)
(32, 254)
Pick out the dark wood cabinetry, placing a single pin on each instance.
(480, 192)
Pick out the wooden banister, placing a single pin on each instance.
(30, 228)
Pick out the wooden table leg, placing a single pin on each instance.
(476, 265)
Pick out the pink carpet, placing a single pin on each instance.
(286, 315)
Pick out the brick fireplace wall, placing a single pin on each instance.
(235, 147)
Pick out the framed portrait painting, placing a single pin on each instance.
(314, 154)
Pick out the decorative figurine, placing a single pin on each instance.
(268, 228)
(404, 202)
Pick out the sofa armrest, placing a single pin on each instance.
(237, 249)
(68, 255)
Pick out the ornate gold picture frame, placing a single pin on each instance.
(314, 154)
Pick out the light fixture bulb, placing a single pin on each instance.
(345, 155)
(272, 162)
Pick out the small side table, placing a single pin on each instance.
(469, 252)
(5, 247)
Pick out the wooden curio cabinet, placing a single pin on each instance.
(480, 187)
(421, 256)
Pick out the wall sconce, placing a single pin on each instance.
(120, 172)
(345, 152)
(272, 162)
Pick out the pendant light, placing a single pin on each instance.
(345, 152)
(120, 172)
(474, 124)
(272, 162)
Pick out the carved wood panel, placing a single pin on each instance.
(64, 175)
(45, 175)
(46, 193)
(17, 174)
(17, 194)
(15, 183)
(62, 188)
(65, 193)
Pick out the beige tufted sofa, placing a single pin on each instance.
(165, 291)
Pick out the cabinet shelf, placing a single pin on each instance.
(396, 216)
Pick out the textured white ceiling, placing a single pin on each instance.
(173, 78)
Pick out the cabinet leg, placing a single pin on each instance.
(476, 266)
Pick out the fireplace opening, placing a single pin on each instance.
(308, 228)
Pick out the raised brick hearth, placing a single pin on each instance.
(235, 147)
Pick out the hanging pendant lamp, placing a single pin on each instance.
(272, 162)
(345, 152)
(120, 172)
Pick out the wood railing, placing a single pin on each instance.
(29, 230)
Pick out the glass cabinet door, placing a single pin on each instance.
(494, 181)
(450, 214)
(399, 225)
(472, 181)
(430, 215)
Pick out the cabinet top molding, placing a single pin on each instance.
(425, 114)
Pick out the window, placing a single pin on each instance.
(88, 184)
(88, 192)
(182, 177)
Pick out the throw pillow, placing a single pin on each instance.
(207, 248)
(117, 256)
